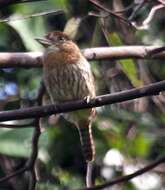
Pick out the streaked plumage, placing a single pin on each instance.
(68, 76)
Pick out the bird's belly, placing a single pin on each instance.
(67, 83)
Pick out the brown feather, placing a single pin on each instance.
(67, 76)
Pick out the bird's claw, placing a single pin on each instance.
(87, 99)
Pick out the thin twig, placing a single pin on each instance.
(5, 3)
(42, 111)
(161, 1)
(32, 160)
(149, 18)
(156, 51)
(31, 164)
(102, 15)
(137, 9)
(152, 13)
(125, 9)
(11, 175)
(128, 177)
(102, 7)
(105, 14)
(45, 13)
(89, 174)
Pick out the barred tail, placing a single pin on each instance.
(87, 142)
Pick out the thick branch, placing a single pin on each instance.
(41, 111)
(128, 177)
(20, 60)
(122, 52)
(34, 59)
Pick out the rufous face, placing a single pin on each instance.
(55, 39)
(60, 49)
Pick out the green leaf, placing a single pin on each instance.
(62, 4)
(114, 39)
(15, 142)
(28, 30)
(128, 65)
(140, 145)
(130, 69)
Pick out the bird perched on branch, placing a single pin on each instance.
(68, 77)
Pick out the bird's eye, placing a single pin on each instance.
(61, 39)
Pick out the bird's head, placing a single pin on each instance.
(58, 41)
(55, 38)
(59, 45)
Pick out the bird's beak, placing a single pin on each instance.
(43, 41)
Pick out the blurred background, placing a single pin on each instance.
(128, 135)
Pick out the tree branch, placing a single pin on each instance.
(5, 3)
(45, 13)
(32, 160)
(128, 177)
(31, 164)
(34, 59)
(20, 60)
(13, 174)
(104, 8)
(42, 111)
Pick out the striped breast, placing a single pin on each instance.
(66, 82)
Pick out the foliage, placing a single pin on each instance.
(137, 133)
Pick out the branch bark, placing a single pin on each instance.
(34, 59)
(128, 177)
(9, 176)
(31, 164)
(20, 60)
(42, 111)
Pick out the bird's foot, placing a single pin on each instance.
(87, 99)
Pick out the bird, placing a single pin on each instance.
(67, 77)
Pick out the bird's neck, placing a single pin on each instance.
(67, 53)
